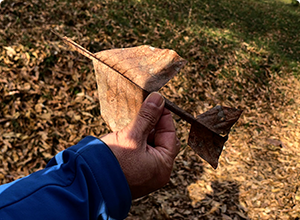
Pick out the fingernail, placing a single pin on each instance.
(155, 98)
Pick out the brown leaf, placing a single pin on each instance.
(206, 143)
(119, 99)
(149, 68)
(126, 76)
(208, 137)
(220, 119)
(276, 143)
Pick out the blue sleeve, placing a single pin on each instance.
(82, 182)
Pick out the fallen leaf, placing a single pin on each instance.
(10, 51)
(276, 143)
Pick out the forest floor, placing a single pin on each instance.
(241, 53)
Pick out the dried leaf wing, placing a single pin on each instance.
(120, 100)
(149, 68)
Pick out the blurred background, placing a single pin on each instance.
(242, 54)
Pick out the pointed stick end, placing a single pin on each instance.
(75, 46)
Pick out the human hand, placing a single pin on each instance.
(147, 147)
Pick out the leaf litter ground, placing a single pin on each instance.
(244, 58)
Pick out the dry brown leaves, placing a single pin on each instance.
(38, 117)
(258, 174)
(49, 101)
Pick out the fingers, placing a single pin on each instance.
(165, 136)
(154, 125)
(148, 116)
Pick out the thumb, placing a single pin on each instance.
(149, 114)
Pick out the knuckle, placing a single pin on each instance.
(147, 114)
